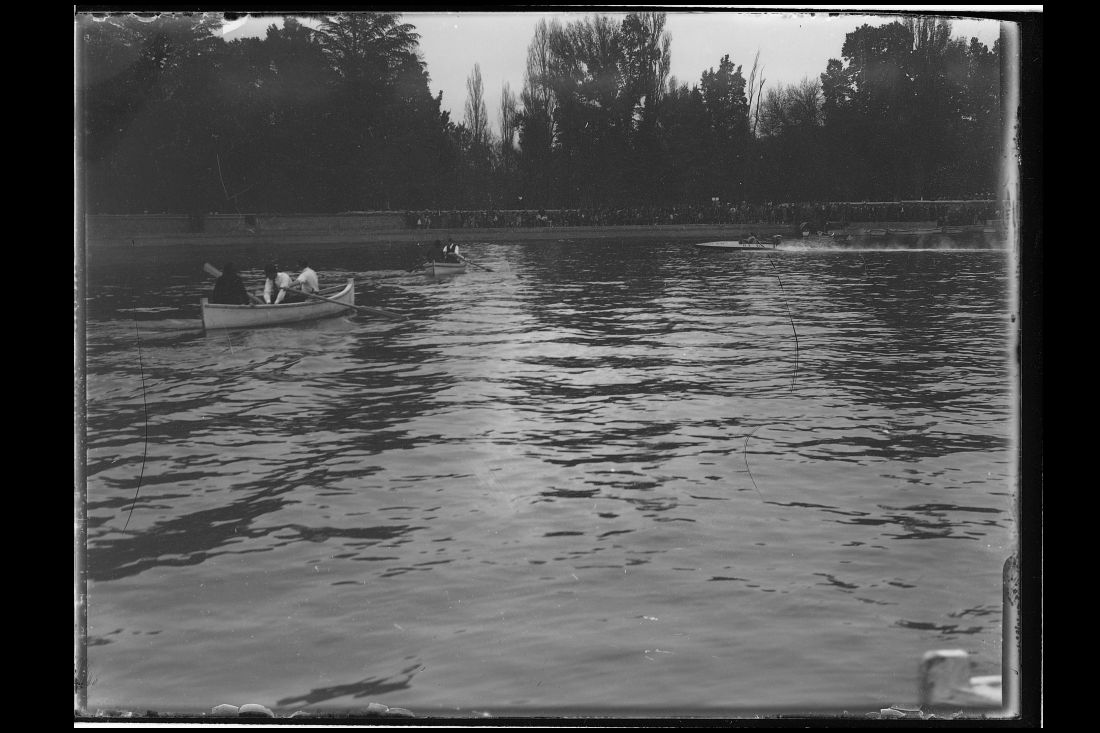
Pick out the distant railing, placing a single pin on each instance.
(792, 216)
(814, 215)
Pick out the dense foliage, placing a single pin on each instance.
(340, 117)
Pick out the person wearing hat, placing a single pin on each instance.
(229, 288)
(275, 281)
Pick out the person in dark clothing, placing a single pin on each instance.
(436, 252)
(229, 288)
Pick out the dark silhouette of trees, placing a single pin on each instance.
(646, 49)
(791, 149)
(383, 111)
(591, 113)
(147, 121)
(689, 143)
(907, 109)
(274, 148)
(728, 117)
(338, 118)
(478, 153)
(506, 175)
(536, 119)
(337, 115)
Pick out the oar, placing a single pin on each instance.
(367, 309)
(211, 270)
(470, 262)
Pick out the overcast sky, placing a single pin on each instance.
(791, 45)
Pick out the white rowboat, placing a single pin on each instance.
(731, 245)
(445, 268)
(217, 315)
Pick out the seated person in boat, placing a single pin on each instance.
(275, 287)
(450, 252)
(229, 288)
(752, 238)
(307, 278)
(436, 252)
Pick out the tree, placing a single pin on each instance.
(342, 118)
(368, 47)
(507, 169)
(593, 114)
(476, 150)
(536, 121)
(981, 118)
(728, 116)
(903, 92)
(412, 140)
(148, 118)
(645, 69)
(756, 87)
(689, 140)
(509, 121)
(646, 61)
(793, 144)
(382, 104)
(791, 107)
(476, 117)
(273, 146)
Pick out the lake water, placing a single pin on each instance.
(605, 476)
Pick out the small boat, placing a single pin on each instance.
(445, 268)
(217, 315)
(732, 245)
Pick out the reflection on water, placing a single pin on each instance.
(606, 473)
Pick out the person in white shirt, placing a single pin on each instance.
(451, 252)
(275, 281)
(307, 278)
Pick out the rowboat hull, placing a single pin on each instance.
(445, 268)
(731, 245)
(216, 315)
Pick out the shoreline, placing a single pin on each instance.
(701, 232)
(867, 232)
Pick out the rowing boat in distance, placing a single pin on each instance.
(732, 245)
(444, 268)
(804, 242)
(218, 315)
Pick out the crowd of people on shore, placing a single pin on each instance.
(944, 213)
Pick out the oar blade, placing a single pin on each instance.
(357, 308)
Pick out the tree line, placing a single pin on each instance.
(341, 118)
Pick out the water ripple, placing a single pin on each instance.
(547, 472)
